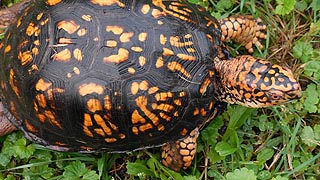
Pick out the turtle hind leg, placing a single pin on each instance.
(179, 154)
(5, 125)
(244, 30)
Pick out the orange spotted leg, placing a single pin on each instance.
(179, 154)
(244, 30)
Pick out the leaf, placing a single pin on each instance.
(265, 155)
(312, 68)
(78, 170)
(312, 98)
(242, 173)
(303, 51)
(4, 159)
(280, 178)
(21, 150)
(224, 149)
(316, 130)
(264, 175)
(307, 136)
(137, 168)
(284, 6)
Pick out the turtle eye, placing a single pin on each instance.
(275, 96)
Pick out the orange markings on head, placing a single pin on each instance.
(53, 2)
(123, 55)
(69, 26)
(90, 88)
(64, 55)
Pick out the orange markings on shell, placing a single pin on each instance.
(64, 56)
(90, 88)
(123, 55)
(114, 29)
(145, 9)
(53, 2)
(25, 57)
(107, 2)
(69, 26)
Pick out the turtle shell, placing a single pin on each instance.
(112, 76)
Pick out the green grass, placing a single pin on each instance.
(277, 143)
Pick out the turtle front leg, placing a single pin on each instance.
(5, 125)
(244, 30)
(179, 154)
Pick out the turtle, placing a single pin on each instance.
(95, 76)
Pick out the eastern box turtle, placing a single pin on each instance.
(123, 75)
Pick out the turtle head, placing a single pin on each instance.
(254, 82)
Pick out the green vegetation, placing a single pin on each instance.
(277, 143)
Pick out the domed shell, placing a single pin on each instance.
(111, 76)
